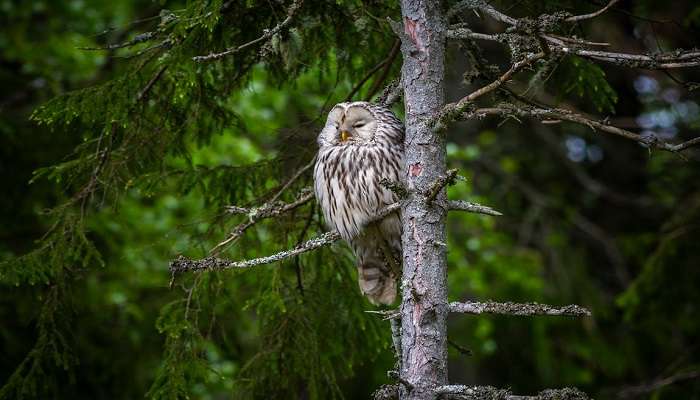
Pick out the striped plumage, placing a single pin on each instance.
(361, 144)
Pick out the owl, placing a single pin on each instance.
(361, 144)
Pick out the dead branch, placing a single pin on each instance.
(484, 7)
(184, 264)
(668, 60)
(635, 391)
(271, 208)
(489, 392)
(542, 114)
(461, 205)
(518, 309)
(267, 35)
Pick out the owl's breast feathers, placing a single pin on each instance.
(347, 183)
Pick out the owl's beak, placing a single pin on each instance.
(345, 135)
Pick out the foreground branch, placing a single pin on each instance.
(518, 309)
(267, 35)
(184, 264)
(489, 392)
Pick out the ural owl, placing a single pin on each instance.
(361, 144)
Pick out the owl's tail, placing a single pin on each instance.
(377, 282)
(378, 264)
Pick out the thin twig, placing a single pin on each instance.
(484, 7)
(387, 67)
(439, 184)
(451, 111)
(268, 210)
(142, 95)
(385, 63)
(583, 17)
(267, 34)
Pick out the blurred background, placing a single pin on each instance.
(101, 191)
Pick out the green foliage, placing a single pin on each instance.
(587, 81)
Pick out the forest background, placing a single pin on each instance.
(115, 161)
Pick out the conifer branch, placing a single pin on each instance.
(267, 35)
(517, 309)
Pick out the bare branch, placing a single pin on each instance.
(518, 309)
(387, 67)
(267, 35)
(465, 33)
(635, 391)
(184, 264)
(577, 18)
(489, 392)
(578, 41)
(484, 7)
(543, 114)
(461, 205)
(371, 72)
(669, 60)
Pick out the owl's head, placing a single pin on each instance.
(349, 124)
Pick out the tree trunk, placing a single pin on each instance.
(424, 285)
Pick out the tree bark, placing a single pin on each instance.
(424, 284)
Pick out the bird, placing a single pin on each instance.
(360, 146)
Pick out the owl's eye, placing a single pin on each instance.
(358, 124)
